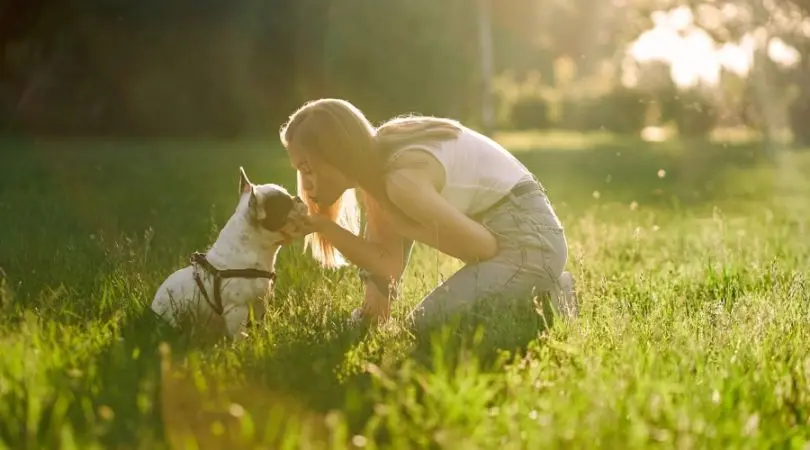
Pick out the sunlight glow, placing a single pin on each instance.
(781, 52)
(692, 54)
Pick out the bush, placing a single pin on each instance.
(621, 111)
(530, 113)
(579, 115)
(693, 113)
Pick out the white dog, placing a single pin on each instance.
(237, 272)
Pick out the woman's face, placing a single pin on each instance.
(322, 183)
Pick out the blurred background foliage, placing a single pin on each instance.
(152, 68)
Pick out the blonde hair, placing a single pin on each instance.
(340, 134)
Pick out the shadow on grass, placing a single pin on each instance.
(490, 332)
(147, 386)
(106, 393)
(298, 369)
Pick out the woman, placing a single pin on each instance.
(430, 180)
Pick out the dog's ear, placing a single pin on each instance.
(253, 204)
(244, 182)
(245, 186)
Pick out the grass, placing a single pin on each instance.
(690, 257)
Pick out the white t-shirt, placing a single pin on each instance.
(478, 170)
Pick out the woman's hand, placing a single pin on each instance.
(376, 312)
(376, 307)
(301, 223)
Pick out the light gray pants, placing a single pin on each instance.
(532, 251)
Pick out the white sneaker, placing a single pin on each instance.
(565, 299)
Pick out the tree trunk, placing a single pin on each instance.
(485, 46)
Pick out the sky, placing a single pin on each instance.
(693, 55)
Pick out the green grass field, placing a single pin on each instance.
(691, 260)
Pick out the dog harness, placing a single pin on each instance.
(199, 260)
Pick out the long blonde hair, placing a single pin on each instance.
(340, 134)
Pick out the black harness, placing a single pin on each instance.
(199, 260)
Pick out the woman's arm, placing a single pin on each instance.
(380, 257)
(377, 289)
(437, 222)
(380, 253)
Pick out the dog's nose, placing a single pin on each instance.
(297, 199)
